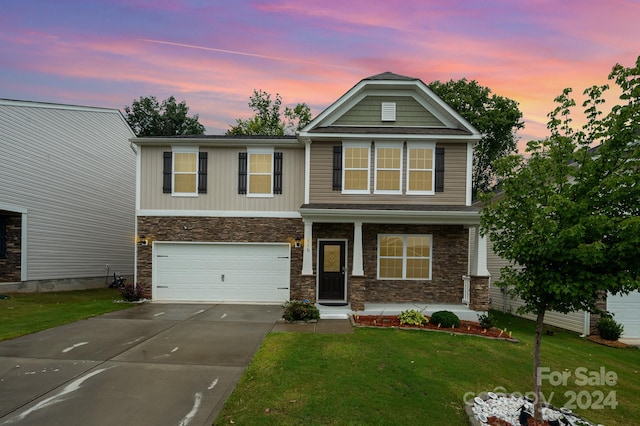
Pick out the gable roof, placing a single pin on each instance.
(388, 84)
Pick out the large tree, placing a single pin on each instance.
(269, 119)
(568, 216)
(148, 117)
(497, 118)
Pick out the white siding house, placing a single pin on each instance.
(67, 196)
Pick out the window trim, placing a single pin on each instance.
(345, 146)
(404, 257)
(421, 145)
(184, 150)
(396, 145)
(269, 151)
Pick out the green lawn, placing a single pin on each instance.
(388, 376)
(25, 313)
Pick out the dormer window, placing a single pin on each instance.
(388, 111)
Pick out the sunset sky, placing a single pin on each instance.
(213, 54)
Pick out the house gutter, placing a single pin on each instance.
(392, 216)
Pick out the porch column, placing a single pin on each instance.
(307, 252)
(480, 265)
(358, 269)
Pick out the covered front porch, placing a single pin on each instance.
(340, 312)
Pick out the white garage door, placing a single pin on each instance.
(626, 310)
(222, 272)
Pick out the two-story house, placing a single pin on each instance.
(369, 203)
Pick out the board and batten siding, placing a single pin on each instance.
(222, 183)
(73, 169)
(321, 181)
(409, 112)
(502, 301)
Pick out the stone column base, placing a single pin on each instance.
(479, 293)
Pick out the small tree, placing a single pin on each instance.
(268, 119)
(497, 118)
(568, 217)
(148, 117)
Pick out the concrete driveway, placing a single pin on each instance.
(154, 364)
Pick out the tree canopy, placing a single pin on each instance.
(148, 117)
(497, 118)
(269, 120)
(568, 216)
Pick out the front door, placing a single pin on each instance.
(332, 278)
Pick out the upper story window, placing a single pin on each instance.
(423, 170)
(420, 168)
(404, 257)
(260, 172)
(388, 174)
(355, 165)
(260, 165)
(185, 172)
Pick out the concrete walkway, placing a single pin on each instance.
(154, 364)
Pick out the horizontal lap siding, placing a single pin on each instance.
(321, 185)
(504, 302)
(74, 171)
(409, 112)
(222, 179)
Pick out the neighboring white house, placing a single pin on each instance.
(67, 196)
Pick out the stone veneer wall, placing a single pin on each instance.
(221, 229)
(479, 293)
(449, 264)
(450, 248)
(10, 267)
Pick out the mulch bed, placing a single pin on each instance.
(611, 343)
(466, 327)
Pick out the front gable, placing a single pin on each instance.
(390, 104)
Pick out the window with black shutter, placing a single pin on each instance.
(337, 168)
(439, 170)
(242, 173)
(277, 173)
(167, 161)
(202, 173)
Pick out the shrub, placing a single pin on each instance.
(446, 319)
(300, 310)
(131, 292)
(486, 321)
(608, 328)
(412, 317)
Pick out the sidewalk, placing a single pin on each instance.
(322, 326)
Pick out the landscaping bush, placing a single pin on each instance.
(131, 292)
(608, 328)
(446, 319)
(300, 310)
(412, 317)
(486, 320)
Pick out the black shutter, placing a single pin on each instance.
(337, 168)
(277, 173)
(166, 172)
(439, 169)
(202, 173)
(242, 173)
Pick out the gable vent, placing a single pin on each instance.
(388, 111)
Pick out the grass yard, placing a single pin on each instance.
(390, 376)
(25, 313)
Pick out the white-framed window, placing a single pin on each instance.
(421, 168)
(404, 256)
(388, 168)
(260, 172)
(185, 171)
(356, 159)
